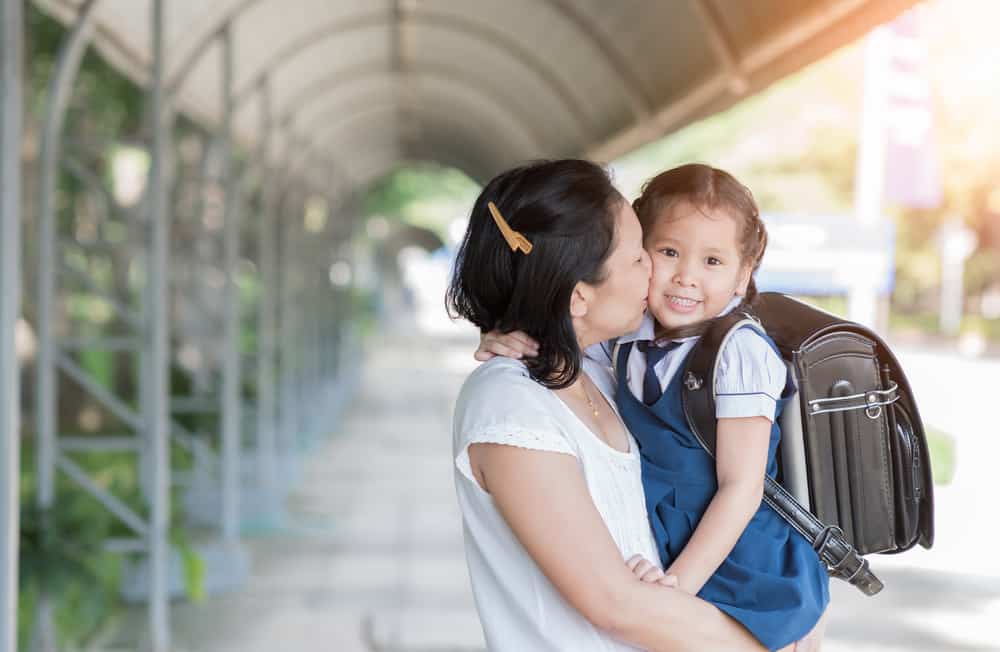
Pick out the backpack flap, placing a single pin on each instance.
(841, 559)
(847, 444)
(867, 456)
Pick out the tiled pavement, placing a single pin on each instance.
(372, 556)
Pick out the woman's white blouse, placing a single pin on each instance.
(519, 608)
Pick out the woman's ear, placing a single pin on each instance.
(579, 302)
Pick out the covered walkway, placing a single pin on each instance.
(222, 287)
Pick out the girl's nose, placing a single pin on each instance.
(684, 275)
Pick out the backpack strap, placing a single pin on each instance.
(698, 400)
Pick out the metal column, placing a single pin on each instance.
(292, 219)
(266, 326)
(156, 373)
(231, 399)
(60, 90)
(11, 34)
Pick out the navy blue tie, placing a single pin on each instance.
(651, 390)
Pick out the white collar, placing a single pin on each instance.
(647, 329)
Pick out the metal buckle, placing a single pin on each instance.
(692, 382)
(871, 402)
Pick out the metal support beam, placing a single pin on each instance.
(468, 85)
(721, 45)
(290, 226)
(121, 311)
(60, 90)
(113, 504)
(267, 449)
(481, 32)
(156, 373)
(803, 40)
(231, 439)
(638, 99)
(114, 404)
(11, 106)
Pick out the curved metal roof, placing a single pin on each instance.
(478, 84)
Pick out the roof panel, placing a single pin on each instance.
(504, 80)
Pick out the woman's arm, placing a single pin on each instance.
(544, 498)
(741, 461)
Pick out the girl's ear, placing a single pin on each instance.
(743, 281)
(579, 302)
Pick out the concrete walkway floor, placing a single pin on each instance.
(372, 559)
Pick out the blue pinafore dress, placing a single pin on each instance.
(772, 582)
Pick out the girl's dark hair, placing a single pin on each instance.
(707, 189)
(566, 209)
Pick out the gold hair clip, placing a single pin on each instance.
(514, 238)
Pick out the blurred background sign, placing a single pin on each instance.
(912, 171)
(826, 255)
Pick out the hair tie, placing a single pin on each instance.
(515, 239)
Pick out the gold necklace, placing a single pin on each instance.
(586, 395)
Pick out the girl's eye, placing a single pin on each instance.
(669, 251)
(712, 260)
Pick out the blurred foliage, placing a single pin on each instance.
(61, 547)
(426, 195)
(795, 146)
(942, 450)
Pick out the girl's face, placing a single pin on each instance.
(697, 268)
(616, 305)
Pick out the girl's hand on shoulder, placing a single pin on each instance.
(514, 344)
(649, 572)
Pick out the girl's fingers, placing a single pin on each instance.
(652, 575)
(642, 569)
(515, 344)
(482, 355)
(633, 561)
(528, 342)
(497, 347)
(668, 580)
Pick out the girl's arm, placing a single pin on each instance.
(741, 462)
(565, 535)
(518, 345)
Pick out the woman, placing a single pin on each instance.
(548, 478)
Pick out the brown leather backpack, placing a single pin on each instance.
(855, 473)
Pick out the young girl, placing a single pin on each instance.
(703, 232)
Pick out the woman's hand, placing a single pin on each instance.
(514, 344)
(649, 572)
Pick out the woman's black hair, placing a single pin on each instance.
(566, 209)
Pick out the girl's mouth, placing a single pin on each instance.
(682, 304)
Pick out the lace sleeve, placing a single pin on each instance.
(540, 436)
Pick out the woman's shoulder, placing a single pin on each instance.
(500, 403)
(501, 372)
(502, 386)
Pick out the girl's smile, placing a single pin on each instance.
(697, 266)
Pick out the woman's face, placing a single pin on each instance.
(616, 305)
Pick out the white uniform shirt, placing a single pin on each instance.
(749, 380)
(519, 608)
